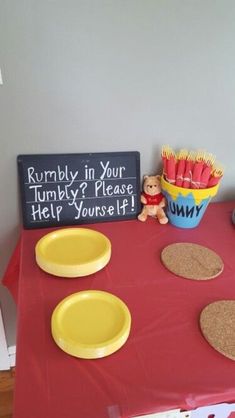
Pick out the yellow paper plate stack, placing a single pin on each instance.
(73, 252)
(91, 324)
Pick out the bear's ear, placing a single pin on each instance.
(146, 177)
(158, 177)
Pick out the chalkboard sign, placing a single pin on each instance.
(68, 189)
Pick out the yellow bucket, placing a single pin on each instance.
(186, 207)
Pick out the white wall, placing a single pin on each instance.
(113, 75)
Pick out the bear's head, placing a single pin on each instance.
(152, 185)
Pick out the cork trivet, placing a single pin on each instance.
(217, 322)
(192, 261)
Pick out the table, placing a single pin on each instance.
(165, 364)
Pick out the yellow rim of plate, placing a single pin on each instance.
(89, 350)
(74, 269)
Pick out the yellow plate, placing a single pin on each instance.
(73, 252)
(91, 324)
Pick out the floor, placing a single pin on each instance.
(7, 379)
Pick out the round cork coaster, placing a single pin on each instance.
(217, 322)
(192, 261)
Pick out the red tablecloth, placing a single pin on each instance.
(165, 364)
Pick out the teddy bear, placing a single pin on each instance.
(153, 200)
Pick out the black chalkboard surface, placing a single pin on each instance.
(68, 189)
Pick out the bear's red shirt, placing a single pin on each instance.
(153, 200)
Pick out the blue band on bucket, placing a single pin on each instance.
(183, 211)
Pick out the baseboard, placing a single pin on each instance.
(4, 354)
(12, 355)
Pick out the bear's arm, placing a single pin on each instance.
(162, 204)
(143, 199)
